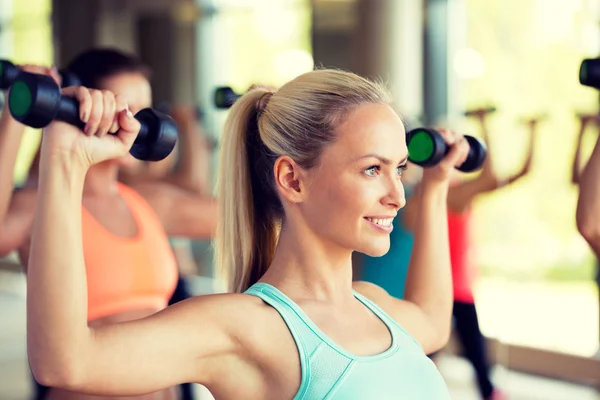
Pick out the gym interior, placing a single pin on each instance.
(537, 290)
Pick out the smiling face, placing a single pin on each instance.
(355, 191)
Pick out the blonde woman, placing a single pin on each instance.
(308, 175)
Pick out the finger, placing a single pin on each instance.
(84, 98)
(458, 151)
(120, 105)
(128, 123)
(96, 113)
(108, 113)
(33, 69)
(464, 149)
(130, 128)
(449, 136)
(53, 72)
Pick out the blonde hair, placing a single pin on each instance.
(298, 120)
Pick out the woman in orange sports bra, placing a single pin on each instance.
(130, 267)
(461, 196)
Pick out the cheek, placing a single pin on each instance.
(339, 207)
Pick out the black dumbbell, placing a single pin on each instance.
(35, 100)
(426, 148)
(486, 110)
(589, 72)
(225, 97)
(9, 72)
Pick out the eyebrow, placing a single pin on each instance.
(382, 159)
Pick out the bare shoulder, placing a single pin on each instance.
(252, 346)
(148, 187)
(232, 307)
(157, 193)
(407, 314)
(369, 289)
(401, 311)
(379, 296)
(243, 316)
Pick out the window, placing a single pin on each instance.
(537, 284)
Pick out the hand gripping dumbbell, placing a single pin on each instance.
(35, 100)
(426, 148)
(9, 72)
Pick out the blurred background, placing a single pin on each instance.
(536, 296)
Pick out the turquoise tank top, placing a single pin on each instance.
(329, 372)
(389, 271)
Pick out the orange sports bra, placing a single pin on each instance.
(127, 273)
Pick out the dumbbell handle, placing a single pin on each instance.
(68, 111)
(488, 110)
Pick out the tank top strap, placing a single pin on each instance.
(306, 338)
(397, 330)
(306, 341)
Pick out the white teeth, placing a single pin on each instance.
(381, 221)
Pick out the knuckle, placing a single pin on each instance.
(96, 94)
(120, 101)
(108, 95)
(81, 91)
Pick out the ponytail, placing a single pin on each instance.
(247, 228)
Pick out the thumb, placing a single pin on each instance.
(128, 123)
(129, 126)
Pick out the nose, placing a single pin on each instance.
(395, 194)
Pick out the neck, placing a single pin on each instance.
(101, 179)
(305, 266)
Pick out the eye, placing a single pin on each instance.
(401, 168)
(372, 170)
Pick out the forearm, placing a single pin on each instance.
(487, 167)
(11, 134)
(588, 203)
(576, 167)
(57, 332)
(191, 172)
(429, 282)
(527, 165)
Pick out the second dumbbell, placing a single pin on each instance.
(36, 100)
(426, 148)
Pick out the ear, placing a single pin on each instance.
(290, 179)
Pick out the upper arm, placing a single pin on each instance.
(406, 314)
(181, 212)
(181, 343)
(16, 225)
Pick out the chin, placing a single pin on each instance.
(375, 249)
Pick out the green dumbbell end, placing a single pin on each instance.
(20, 99)
(420, 147)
